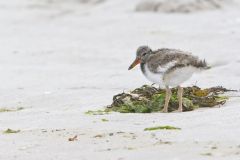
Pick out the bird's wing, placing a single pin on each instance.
(164, 59)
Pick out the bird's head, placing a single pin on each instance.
(142, 53)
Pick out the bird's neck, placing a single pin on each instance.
(144, 62)
(142, 65)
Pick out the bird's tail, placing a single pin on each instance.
(202, 64)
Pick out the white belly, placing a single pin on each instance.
(179, 76)
(154, 77)
(171, 79)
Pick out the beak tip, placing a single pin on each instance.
(136, 62)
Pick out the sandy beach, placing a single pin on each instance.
(59, 59)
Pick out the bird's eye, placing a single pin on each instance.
(144, 54)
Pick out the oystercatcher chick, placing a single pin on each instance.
(168, 68)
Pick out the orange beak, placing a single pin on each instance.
(136, 62)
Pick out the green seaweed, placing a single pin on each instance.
(206, 154)
(9, 131)
(162, 128)
(104, 120)
(11, 110)
(98, 112)
(147, 99)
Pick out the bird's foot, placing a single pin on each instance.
(180, 110)
(164, 110)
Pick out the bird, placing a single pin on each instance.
(168, 68)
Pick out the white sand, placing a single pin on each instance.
(61, 59)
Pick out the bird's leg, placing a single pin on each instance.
(180, 93)
(167, 98)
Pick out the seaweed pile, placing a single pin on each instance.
(147, 99)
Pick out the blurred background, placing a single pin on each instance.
(74, 54)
